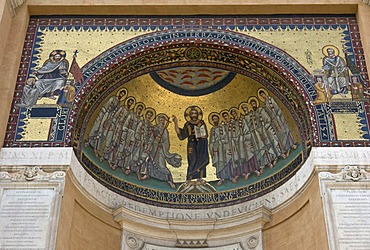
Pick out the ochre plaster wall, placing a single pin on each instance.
(299, 225)
(84, 225)
(12, 34)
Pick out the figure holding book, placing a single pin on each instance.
(195, 131)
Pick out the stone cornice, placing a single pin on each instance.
(13, 5)
(32, 174)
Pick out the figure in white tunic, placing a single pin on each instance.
(217, 137)
(102, 122)
(278, 123)
(160, 154)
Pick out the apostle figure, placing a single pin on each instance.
(113, 137)
(146, 138)
(234, 133)
(249, 145)
(123, 154)
(133, 124)
(53, 74)
(195, 131)
(265, 152)
(217, 148)
(102, 122)
(160, 154)
(336, 71)
(231, 152)
(278, 123)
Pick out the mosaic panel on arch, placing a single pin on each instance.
(191, 111)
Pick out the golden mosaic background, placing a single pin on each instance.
(165, 101)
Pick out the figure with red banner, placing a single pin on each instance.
(51, 80)
(68, 92)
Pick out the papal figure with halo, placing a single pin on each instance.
(336, 71)
(195, 131)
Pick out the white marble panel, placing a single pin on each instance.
(29, 208)
(346, 201)
(25, 217)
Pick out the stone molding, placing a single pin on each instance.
(31, 174)
(347, 174)
(193, 245)
(320, 159)
(13, 5)
(245, 229)
(36, 156)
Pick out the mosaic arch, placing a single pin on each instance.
(191, 112)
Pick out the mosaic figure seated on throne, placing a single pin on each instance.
(50, 79)
(53, 74)
(335, 70)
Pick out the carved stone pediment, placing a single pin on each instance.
(348, 173)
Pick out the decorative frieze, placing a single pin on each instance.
(32, 173)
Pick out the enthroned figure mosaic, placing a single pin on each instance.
(191, 111)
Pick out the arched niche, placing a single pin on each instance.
(237, 55)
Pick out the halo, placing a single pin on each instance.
(211, 115)
(236, 109)
(253, 98)
(130, 98)
(241, 110)
(139, 104)
(224, 111)
(262, 90)
(153, 111)
(119, 92)
(159, 115)
(62, 54)
(187, 113)
(30, 79)
(325, 48)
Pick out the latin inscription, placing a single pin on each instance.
(25, 218)
(352, 218)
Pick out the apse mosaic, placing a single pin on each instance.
(191, 111)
